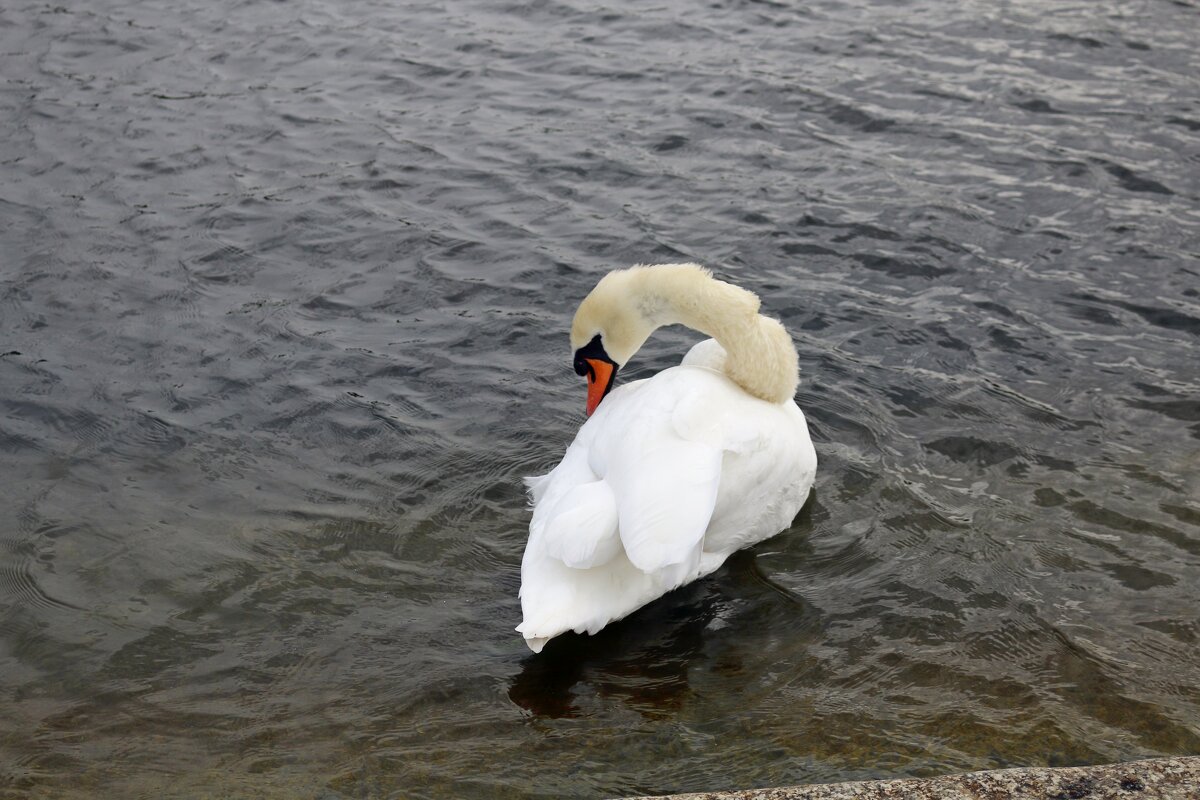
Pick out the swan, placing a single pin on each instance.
(669, 475)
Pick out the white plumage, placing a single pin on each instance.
(664, 481)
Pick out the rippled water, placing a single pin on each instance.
(284, 290)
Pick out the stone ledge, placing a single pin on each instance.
(1153, 779)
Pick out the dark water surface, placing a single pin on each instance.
(284, 291)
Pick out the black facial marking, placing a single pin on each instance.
(592, 349)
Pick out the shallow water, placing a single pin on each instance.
(284, 290)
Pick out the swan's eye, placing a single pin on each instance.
(584, 355)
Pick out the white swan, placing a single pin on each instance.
(672, 474)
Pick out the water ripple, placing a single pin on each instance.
(283, 325)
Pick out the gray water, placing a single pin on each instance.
(284, 293)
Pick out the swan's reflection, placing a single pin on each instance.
(644, 660)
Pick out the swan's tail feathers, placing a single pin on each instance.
(536, 643)
(533, 639)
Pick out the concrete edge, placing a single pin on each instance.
(1151, 779)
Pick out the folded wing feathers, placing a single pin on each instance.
(666, 500)
(536, 487)
(582, 531)
(655, 499)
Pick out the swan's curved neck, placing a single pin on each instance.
(760, 355)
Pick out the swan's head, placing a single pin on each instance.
(611, 324)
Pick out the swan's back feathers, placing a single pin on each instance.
(706, 353)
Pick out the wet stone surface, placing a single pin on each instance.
(1159, 779)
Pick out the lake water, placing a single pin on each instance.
(284, 296)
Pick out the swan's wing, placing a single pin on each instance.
(535, 486)
(546, 491)
(666, 491)
(574, 513)
(582, 529)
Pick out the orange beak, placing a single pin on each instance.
(599, 377)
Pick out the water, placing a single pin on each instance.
(284, 293)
